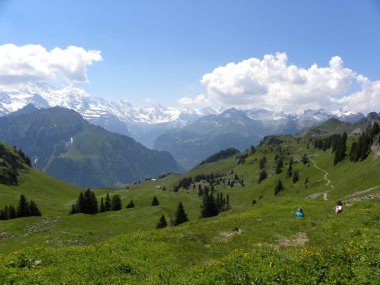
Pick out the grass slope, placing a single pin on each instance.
(261, 244)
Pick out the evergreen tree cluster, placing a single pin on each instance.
(221, 155)
(361, 149)
(24, 157)
(213, 205)
(184, 183)
(25, 208)
(87, 203)
(180, 217)
(336, 142)
(130, 205)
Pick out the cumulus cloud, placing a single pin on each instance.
(34, 64)
(274, 84)
(365, 100)
(198, 100)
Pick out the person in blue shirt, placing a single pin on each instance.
(299, 213)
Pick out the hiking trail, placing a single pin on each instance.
(328, 181)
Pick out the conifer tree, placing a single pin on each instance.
(107, 203)
(155, 201)
(279, 165)
(12, 213)
(23, 209)
(354, 153)
(4, 213)
(130, 204)
(180, 215)
(91, 203)
(161, 223)
(73, 210)
(208, 206)
(116, 203)
(262, 162)
(278, 188)
(33, 209)
(289, 172)
(263, 175)
(102, 207)
(80, 206)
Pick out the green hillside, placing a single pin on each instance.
(62, 144)
(249, 244)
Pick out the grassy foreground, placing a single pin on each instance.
(249, 244)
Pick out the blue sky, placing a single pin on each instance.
(160, 50)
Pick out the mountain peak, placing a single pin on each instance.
(29, 108)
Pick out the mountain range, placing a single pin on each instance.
(145, 124)
(61, 143)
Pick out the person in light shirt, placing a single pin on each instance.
(338, 208)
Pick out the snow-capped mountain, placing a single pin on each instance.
(145, 124)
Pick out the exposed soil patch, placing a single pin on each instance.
(299, 240)
(226, 236)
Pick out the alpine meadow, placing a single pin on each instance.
(189, 142)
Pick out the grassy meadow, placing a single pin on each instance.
(249, 244)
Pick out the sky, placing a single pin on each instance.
(280, 55)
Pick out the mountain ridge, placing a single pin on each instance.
(145, 124)
(61, 143)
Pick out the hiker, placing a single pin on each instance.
(338, 208)
(299, 213)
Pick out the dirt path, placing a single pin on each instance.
(328, 181)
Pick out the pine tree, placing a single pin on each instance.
(86, 203)
(180, 215)
(23, 207)
(162, 223)
(107, 203)
(279, 165)
(73, 210)
(289, 172)
(4, 213)
(278, 188)
(208, 206)
(354, 153)
(12, 213)
(102, 207)
(262, 162)
(33, 209)
(80, 206)
(263, 175)
(116, 203)
(91, 203)
(340, 148)
(155, 201)
(130, 205)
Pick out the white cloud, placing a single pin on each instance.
(34, 64)
(365, 100)
(274, 84)
(198, 100)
